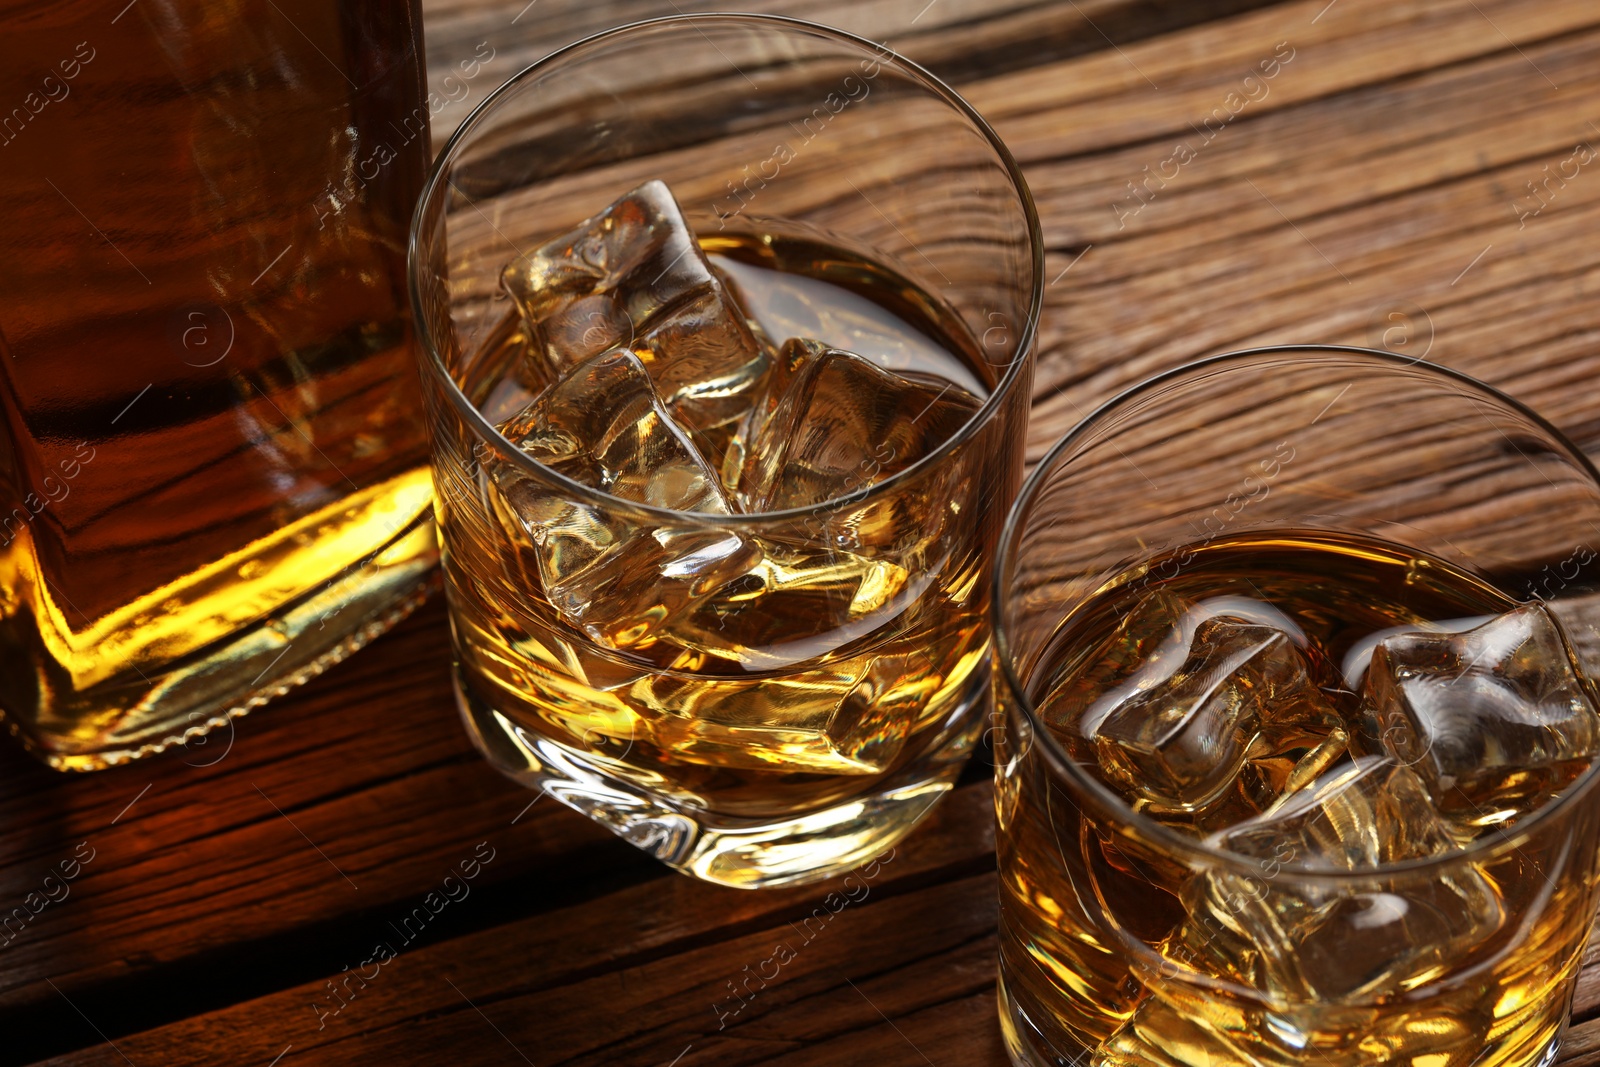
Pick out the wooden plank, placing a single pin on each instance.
(960, 1031)
(355, 796)
(656, 1009)
(1580, 1045)
(958, 39)
(646, 928)
(1110, 99)
(1400, 177)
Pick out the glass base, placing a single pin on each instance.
(744, 853)
(207, 691)
(1027, 1046)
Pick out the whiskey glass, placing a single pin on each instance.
(1123, 938)
(791, 732)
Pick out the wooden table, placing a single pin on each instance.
(1417, 175)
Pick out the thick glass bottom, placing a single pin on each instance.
(807, 846)
(1025, 1044)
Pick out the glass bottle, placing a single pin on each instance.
(212, 470)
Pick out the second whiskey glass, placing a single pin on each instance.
(1354, 933)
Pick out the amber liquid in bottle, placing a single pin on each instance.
(212, 477)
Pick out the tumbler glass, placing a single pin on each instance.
(1125, 939)
(788, 721)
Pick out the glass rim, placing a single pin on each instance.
(1194, 850)
(434, 363)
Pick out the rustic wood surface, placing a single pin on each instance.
(1377, 193)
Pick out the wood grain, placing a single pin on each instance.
(1378, 176)
(623, 948)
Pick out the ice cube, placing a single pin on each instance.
(795, 604)
(848, 717)
(1201, 713)
(784, 303)
(1495, 720)
(618, 577)
(830, 422)
(746, 471)
(1309, 942)
(1362, 815)
(874, 665)
(1379, 942)
(634, 276)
